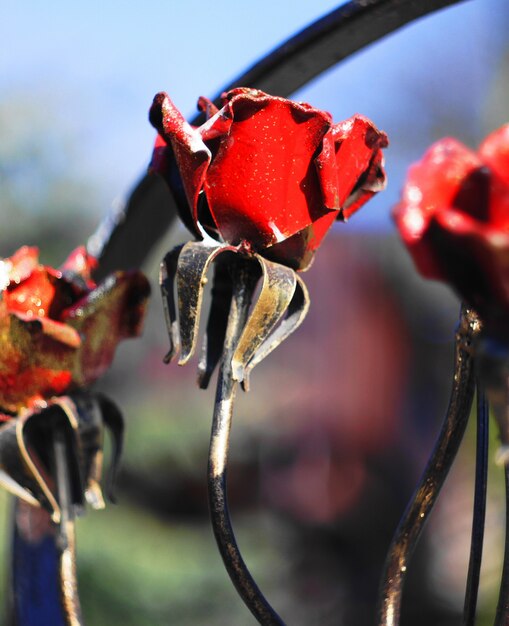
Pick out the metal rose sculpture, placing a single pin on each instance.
(58, 334)
(454, 219)
(259, 183)
(59, 330)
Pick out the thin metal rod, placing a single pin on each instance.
(502, 615)
(243, 285)
(66, 537)
(499, 398)
(414, 518)
(481, 481)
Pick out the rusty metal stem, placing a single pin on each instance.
(66, 537)
(243, 286)
(481, 481)
(502, 615)
(500, 403)
(414, 518)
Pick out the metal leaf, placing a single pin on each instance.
(193, 264)
(90, 442)
(295, 315)
(213, 341)
(278, 287)
(114, 421)
(26, 451)
(167, 274)
(25, 457)
(14, 475)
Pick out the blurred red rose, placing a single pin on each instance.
(266, 173)
(454, 219)
(58, 330)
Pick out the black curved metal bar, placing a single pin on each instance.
(127, 235)
(502, 614)
(418, 510)
(481, 483)
(499, 399)
(331, 39)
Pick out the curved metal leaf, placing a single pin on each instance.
(26, 456)
(295, 315)
(213, 341)
(193, 264)
(114, 421)
(278, 286)
(27, 466)
(167, 274)
(14, 476)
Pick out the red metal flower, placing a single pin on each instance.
(266, 173)
(454, 218)
(58, 330)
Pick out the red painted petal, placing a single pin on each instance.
(33, 365)
(36, 295)
(262, 186)
(113, 311)
(80, 262)
(217, 126)
(328, 173)
(350, 165)
(191, 154)
(207, 106)
(259, 99)
(298, 250)
(494, 152)
(159, 162)
(371, 182)
(57, 331)
(357, 141)
(19, 265)
(26, 387)
(42, 327)
(476, 258)
(432, 184)
(498, 204)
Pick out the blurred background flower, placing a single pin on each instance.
(340, 420)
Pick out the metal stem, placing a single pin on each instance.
(502, 615)
(66, 537)
(243, 285)
(412, 523)
(499, 398)
(481, 480)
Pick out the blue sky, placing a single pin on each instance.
(93, 68)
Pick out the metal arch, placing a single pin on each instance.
(328, 41)
(126, 236)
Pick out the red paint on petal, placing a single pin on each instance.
(358, 141)
(51, 321)
(22, 263)
(262, 186)
(454, 219)
(494, 152)
(274, 170)
(81, 263)
(191, 154)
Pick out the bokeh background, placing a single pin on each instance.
(331, 439)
